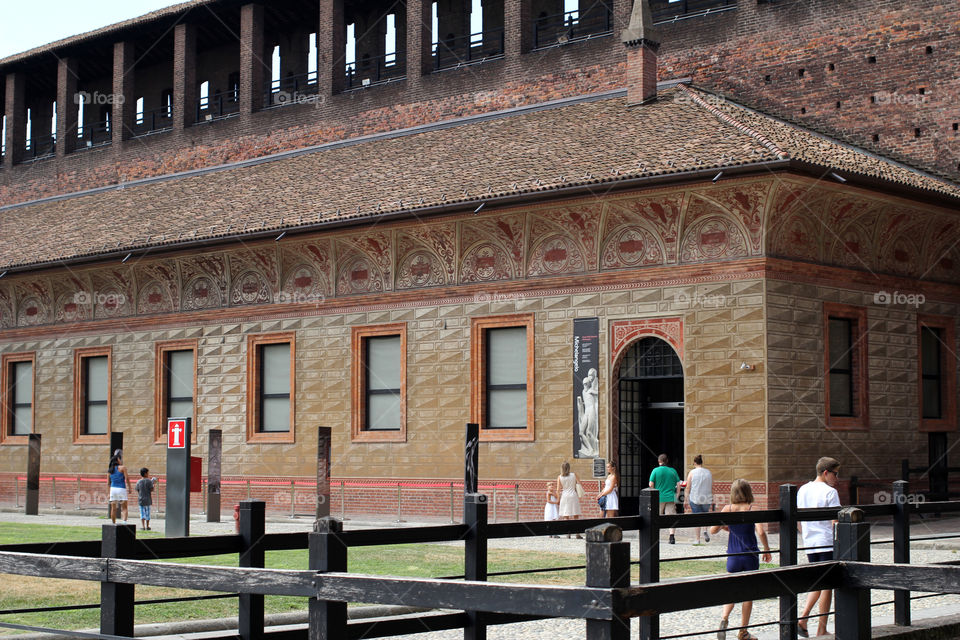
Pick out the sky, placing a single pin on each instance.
(31, 23)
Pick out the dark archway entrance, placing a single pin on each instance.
(649, 415)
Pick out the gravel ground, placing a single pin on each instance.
(699, 623)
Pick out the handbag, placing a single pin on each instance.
(602, 501)
(580, 490)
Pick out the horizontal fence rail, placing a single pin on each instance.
(606, 601)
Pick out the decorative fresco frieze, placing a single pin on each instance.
(786, 218)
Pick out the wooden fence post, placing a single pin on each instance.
(608, 566)
(252, 528)
(853, 604)
(649, 555)
(788, 557)
(475, 557)
(901, 548)
(328, 619)
(116, 600)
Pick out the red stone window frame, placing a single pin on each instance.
(162, 351)
(254, 344)
(478, 377)
(6, 405)
(358, 370)
(859, 335)
(80, 357)
(948, 369)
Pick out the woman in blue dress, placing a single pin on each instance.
(118, 486)
(742, 540)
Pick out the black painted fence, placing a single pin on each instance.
(606, 601)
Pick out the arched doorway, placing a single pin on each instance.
(648, 415)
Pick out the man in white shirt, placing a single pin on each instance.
(818, 535)
(700, 492)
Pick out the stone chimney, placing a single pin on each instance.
(642, 42)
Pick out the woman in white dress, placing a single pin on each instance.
(610, 489)
(567, 483)
(551, 506)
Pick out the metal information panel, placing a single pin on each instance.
(178, 477)
(599, 467)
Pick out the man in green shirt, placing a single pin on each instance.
(665, 480)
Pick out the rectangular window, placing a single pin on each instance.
(937, 368)
(379, 372)
(16, 379)
(176, 385)
(502, 377)
(270, 383)
(845, 365)
(92, 395)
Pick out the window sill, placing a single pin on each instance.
(99, 439)
(17, 441)
(506, 435)
(271, 437)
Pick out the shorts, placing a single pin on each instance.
(118, 494)
(736, 564)
(699, 508)
(144, 512)
(668, 508)
(820, 556)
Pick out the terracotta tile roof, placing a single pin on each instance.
(176, 9)
(592, 142)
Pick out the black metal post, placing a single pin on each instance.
(32, 507)
(788, 557)
(901, 548)
(475, 557)
(905, 470)
(116, 600)
(214, 457)
(471, 460)
(649, 555)
(328, 619)
(853, 604)
(608, 566)
(324, 442)
(252, 528)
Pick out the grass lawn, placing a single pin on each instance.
(429, 560)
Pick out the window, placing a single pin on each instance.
(16, 392)
(379, 375)
(270, 383)
(91, 407)
(502, 377)
(845, 364)
(937, 373)
(176, 385)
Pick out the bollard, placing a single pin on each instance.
(901, 548)
(252, 529)
(608, 567)
(475, 558)
(328, 619)
(649, 546)
(116, 600)
(293, 497)
(399, 499)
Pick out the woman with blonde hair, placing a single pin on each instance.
(743, 543)
(609, 500)
(567, 483)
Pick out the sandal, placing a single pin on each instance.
(722, 633)
(802, 631)
(745, 635)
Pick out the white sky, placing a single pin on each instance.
(26, 24)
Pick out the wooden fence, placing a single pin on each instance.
(606, 601)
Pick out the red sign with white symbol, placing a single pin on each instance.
(176, 434)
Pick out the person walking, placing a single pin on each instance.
(742, 541)
(818, 536)
(609, 499)
(665, 480)
(567, 483)
(700, 492)
(117, 474)
(550, 508)
(144, 489)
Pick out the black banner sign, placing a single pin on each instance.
(586, 388)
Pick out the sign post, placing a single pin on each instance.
(178, 477)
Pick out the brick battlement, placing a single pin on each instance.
(875, 73)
